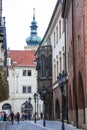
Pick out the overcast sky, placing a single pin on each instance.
(19, 14)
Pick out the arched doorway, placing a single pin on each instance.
(81, 106)
(57, 109)
(7, 108)
(65, 109)
(70, 107)
(27, 109)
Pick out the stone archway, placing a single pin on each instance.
(70, 107)
(27, 109)
(57, 109)
(6, 106)
(64, 109)
(81, 106)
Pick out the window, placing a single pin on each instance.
(57, 68)
(77, 2)
(29, 72)
(63, 61)
(54, 39)
(43, 66)
(59, 29)
(60, 64)
(26, 72)
(26, 89)
(56, 34)
(63, 25)
(54, 72)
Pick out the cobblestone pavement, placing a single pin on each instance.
(30, 125)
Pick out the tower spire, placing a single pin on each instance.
(33, 13)
(33, 39)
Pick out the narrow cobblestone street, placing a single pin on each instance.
(30, 125)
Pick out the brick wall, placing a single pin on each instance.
(79, 28)
(85, 41)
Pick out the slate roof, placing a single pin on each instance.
(22, 57)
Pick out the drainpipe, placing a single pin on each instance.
(65, 69)
(66, 72)
(74, 78)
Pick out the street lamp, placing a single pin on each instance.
(62, 79)
(17, 84)
(37, 104)
(35, 96)
(43, 94)
(29, 99)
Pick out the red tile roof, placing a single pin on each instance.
(22, 57)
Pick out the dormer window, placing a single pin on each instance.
(15, 62)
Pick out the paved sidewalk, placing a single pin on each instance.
(30, 125)
(55, 125)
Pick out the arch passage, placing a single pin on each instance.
(81, 106)
(27, 108)
(57, 109)
(6, 106)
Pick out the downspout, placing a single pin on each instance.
(74, 78)
(66, 72)
(63, 16)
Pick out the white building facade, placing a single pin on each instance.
(55, 36)
(22, 78)
(22, 84)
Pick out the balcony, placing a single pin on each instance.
(44, 67)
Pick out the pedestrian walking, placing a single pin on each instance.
(18, 117)
(4, 118)
(12, 117)
(25, 116)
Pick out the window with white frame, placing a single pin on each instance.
(54, 39)
(60, 64)
(57, 68)
(63, 61)
(57, 34)
(59, 29)
(26, 89)
(54, 72)
(62, 25)
(26, 72)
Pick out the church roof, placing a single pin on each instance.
(22, 57)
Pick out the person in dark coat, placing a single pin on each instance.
(18, 117)
(25, 116)
(12, 117)
(4, 119)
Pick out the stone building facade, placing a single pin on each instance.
(54, 37)
(75, 15)
(4, 89)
